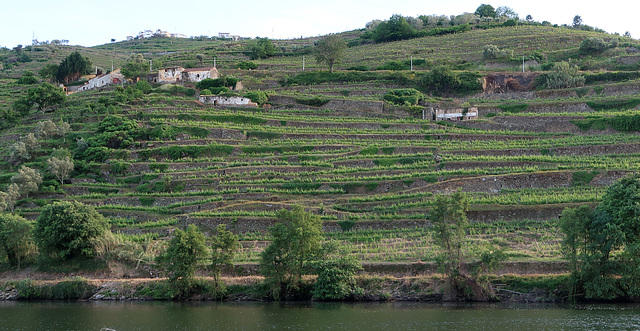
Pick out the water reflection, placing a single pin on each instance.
(313, 316)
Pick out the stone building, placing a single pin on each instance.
(178, 75)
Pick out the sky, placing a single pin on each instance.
(92, 22)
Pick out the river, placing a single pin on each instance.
(313, 316)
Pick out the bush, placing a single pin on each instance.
(593, 45)
(246, 65)
(258, 97)
(66, 229)
(315, 101)
(564, 75)
(403, 96)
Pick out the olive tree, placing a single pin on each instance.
(27, 179)
(60, 165)
(66, 229)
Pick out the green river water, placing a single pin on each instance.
(313, 316)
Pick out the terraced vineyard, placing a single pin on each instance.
(371, 175)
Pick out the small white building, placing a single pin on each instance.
(455, 114)
(219, 100)
(111, 78)
(224, 35)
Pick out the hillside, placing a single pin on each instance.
(368, 168)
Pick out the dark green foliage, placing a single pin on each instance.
(15, 238)
(72, 67)
(622, 123)
(583, 177)
(258, 97)
(246, 65)
(296, 242)
(180, 261)
(27, 79)
(147, 201)
(239, 119)
(263, 135)
(277, 149)
(74, 289)
(611, 76)
(485, 10)
(592, 45)
(369, 151)
(42, 96)
(403, 96)
(513, 108)
(336, 273)
(214, 84)
(158, 167)
(620, 104)
(442, 80)
(176, 152)
(119, 167)
(261, 48)
(315, 101)
(223, 248)
(396, 28)
(346, 225)
(602, 244)
(66, 229)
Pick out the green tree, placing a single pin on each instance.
(46, 129)
(506, 12)
(135, 67)
(329, 50)
(296, 241)
(10, 198)
(261, 48)
(396, 28)
(49, 72)
(450, 222)
(185, 250)
(72, 67)
(66, 229)
(42, 96)
(15, 238)
(485, 10)
(18, 153)
(603, 246)
(577, 21)
(223, 248)
(27, 179)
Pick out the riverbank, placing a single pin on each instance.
(431, 288)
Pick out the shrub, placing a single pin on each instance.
(258, 97)
(246, 65)
(403, 96)
(315, 101)
(592, 45)
(564, 75)
(66, 229)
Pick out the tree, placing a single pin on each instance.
(223, 247)
(396, 28)
(30, 141)
(627, 34)
(261, 48)
(135, 67)
(449, 219)
(10, 198)
(27, 179)
(603, 245)
(507, 12)
(18, 153)
(72, 67)
(185, 250)
(329, 50)
(564, 75)
(296, 241)
(577, 21)
(46, 95)
(200, 57)
(49, 72)
(486, 11)
(46, 129)
(60, 167)
(336, 272)
(15, 238)
(66, 229)
(529, 18)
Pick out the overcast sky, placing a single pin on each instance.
(93, 22)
